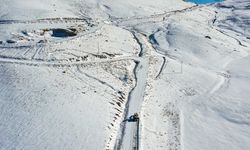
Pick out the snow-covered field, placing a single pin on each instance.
(72, 71)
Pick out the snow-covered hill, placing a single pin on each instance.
(72, 71)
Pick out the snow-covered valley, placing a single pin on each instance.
(72, 71)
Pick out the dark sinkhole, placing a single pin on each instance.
(63, 32)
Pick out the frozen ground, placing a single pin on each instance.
(72, 71)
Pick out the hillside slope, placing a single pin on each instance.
(71, 72)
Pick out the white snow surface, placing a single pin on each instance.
(72, 71)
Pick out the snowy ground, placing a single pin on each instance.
(72, 71)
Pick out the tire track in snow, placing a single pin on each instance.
(44, 20)
(223, 82)
(136, 21)
(28, 62)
